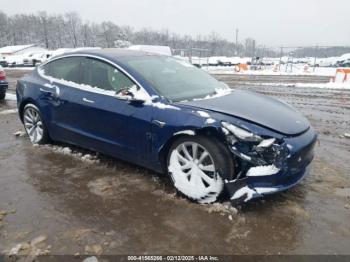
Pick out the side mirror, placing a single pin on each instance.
(128, 95)
(136, 100)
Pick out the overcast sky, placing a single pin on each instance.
(270, 22)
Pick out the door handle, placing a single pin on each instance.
(88, 101)
(45, 91)
(48, 92)
(55, 89)
(159, 123)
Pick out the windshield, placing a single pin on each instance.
(173, 78)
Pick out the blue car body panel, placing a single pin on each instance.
(131, 131)
(272, 113)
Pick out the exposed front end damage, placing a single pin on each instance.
(266, 164)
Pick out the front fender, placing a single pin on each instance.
(179, 122)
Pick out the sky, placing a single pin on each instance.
(271, 22)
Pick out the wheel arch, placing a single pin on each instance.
(209, 131)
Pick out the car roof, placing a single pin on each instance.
(113, 53)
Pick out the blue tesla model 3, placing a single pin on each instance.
(162, 113)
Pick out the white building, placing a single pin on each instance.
(20, 49)
(14, 55)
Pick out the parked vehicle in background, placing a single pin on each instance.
(256, 63)
(343, 63)
(3, 83)
(33, 59)
(14, 60)
(3, 62)
(167, 115)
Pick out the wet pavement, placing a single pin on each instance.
(79, 202)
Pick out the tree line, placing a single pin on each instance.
(69, 30)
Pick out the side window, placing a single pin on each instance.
(65, 68)
(105, 76)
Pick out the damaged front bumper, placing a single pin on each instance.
(246, 189)
(277, 167)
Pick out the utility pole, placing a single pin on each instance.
(281, 54)
(316, 47)
(237, 41)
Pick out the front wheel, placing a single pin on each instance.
(34, 125)
(198, 166)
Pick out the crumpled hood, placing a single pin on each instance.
(260, 109)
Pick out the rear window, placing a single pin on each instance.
(65, 68)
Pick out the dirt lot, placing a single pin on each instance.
(77, 202)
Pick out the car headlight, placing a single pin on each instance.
(253, 148)
(241, 133)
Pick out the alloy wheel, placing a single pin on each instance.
(193, 171)
(33, 124)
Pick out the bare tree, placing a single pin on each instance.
(73, 23)
(68, 30)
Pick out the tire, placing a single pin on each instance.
(200, 178)
(2, 96)
(34, 125)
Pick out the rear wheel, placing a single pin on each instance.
(198, 166)
(34, 125)
(2, 96)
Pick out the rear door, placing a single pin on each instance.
(61, 76)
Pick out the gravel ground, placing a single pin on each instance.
(60, 200)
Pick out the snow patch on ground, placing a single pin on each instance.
(263, 171)
(297, 70)
(91, 259)
(19, 133)
(222, 208)
(104, 187)
(244, 191)
(88, 158)
(8, 111)
(330, 85)
(35, 247)
(19, 68)
(11, 97)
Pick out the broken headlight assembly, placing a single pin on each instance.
(254, 149)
